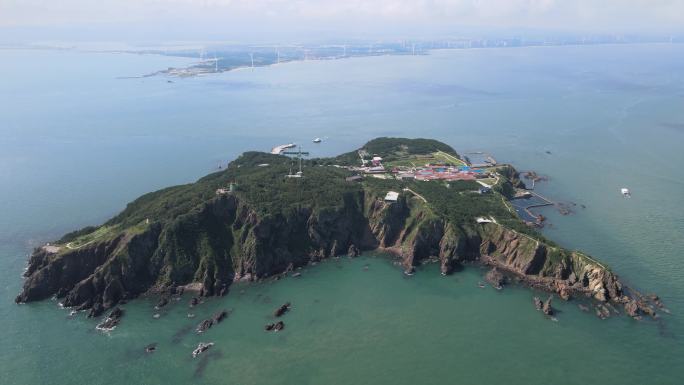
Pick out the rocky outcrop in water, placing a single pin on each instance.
(546, 308)
(495, 278)
(280, 311)
(538, 303)
(214, 320)
(275, 327)
(112, 320)
(201, 348)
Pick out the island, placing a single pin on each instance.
(417, 200)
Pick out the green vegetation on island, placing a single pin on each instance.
(260, 217)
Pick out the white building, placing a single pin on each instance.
(391, 196)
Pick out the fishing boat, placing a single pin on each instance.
(317, 140)
(625, 192)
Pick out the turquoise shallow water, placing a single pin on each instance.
(77, 143)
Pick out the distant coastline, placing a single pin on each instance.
(231, 58)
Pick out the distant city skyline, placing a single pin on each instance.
(264, 20)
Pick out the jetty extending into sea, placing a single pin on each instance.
(277, 150)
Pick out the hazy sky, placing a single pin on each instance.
(238, 19)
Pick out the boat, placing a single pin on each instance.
(625, 192)
(317, 140)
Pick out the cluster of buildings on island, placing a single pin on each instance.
(373, 166)
(429, 171)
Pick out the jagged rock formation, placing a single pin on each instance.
(207, 240)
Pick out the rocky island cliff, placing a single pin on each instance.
(250, 222)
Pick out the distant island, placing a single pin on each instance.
(266, 214)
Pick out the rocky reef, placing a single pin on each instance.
(201, 236)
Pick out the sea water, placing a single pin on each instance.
(79, 138)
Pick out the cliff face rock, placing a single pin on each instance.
(408, 227)
(419, 234)
(548, 267)
(268, 245)
(215, 244)
(518, 253)
(49, 274)
(225, 240)
(123, 274)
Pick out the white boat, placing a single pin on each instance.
(317, 140)
(625, 192)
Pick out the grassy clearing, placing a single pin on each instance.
(449, 158)
(422, 160)
(101, 233)
(488, 181)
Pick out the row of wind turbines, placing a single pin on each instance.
(306, 54)
(215, 59)
(356, 49)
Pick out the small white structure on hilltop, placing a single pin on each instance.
(485, 220)
(391, 196)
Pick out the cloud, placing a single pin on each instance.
(346, 15)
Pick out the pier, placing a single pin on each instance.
(278, 150)
(282, 150)
(523, 204)
(480, 159)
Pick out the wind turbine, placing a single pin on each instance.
(215, 63)
(277, 56)
(413, 48)
(251, 56)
